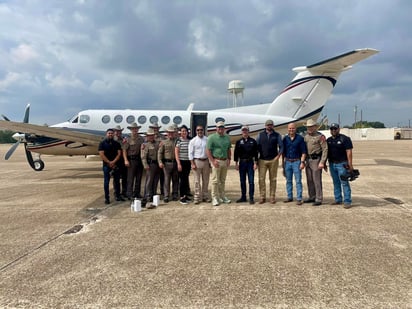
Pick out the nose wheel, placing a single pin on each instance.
(38, 165)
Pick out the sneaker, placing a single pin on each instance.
(215, 202)
(183, 201)
(241, 200)
(226, 200)
(347, 206)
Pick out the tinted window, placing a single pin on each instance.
(106, 119)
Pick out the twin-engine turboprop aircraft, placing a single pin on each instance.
(303, 98)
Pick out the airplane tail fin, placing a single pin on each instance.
(306, 94)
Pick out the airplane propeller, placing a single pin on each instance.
(21, 138)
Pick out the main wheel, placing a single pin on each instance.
(38, 165)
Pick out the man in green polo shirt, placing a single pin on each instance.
(219, 154)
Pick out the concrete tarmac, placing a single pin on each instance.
(62, 247)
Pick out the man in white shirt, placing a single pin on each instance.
(200, 165)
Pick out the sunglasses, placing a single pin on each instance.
(333, 128)
(199, 130)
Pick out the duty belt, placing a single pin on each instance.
(315, 156)
(150, 161)
(134, 157)
(168, 160)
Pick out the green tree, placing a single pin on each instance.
(6, 137)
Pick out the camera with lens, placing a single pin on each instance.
(350, 175)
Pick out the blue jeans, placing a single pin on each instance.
(246, 168)
(292, 168)
(116, 181)
(336, 170)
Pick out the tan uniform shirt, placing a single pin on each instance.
(317, 145)
(133, 145)
(149, 152)
(166, 150)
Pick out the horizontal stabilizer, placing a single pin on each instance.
(342, 62)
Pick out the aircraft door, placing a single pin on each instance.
(197, 119)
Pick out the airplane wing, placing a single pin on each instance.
(59, 133)
(342, 62)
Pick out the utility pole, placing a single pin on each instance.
(355, 111)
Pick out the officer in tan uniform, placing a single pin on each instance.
(167, 162)
(150, 164)
(158, 137)
(132, 160)
(316, 160)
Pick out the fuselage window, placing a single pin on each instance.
(142, 119)
(84, 118)
(165, 119)
(130, 119)
(118, 118)
(106, 119)
(154, 119)
(177, 120)
(219, 119)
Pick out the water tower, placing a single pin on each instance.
(236, 88)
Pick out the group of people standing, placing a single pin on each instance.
(170, 159)
(298, 153)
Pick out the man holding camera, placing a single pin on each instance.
(340, 163)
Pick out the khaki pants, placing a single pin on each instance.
(219, 179)
(201, 175)
(264, 166)
(314, 180)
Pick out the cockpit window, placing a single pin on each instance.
(84, 118)
(75, 119)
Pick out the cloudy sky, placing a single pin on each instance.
(66, 56)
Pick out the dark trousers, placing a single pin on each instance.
(184, 178)
(246, 169)
(116, 181)
(134, 178)
(152, 179)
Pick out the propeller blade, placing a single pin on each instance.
(29, 156)
(5, 118)
(26, 114)
(11, 150)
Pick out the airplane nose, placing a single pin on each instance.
(19, 137)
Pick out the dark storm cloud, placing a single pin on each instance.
(76, 55)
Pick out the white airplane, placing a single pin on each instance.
(303, 98)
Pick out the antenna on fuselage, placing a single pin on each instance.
(236, 88)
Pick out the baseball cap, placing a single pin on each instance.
(334, 126)
(220, 124)
(268, 122)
